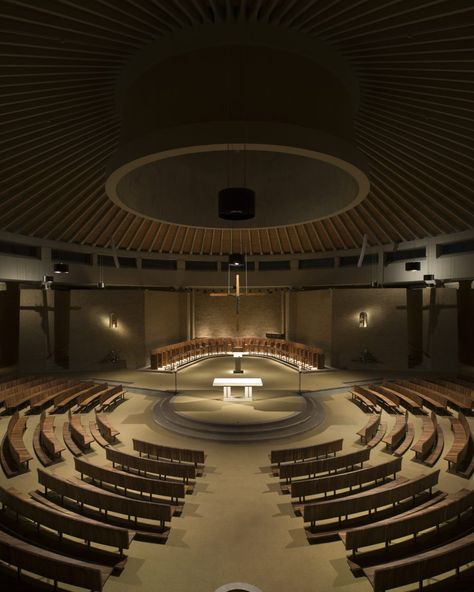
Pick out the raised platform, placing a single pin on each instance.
(203, 414)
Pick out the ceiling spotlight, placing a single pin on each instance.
(236, 203)
(236, 260)
(61, 268)
(413, 266)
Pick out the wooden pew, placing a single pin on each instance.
(47, 447)
(14, 456)
(323, 449)
(105, 501)
(366, 399)
(434, 399)
(168, 452)
(453, 397)
(422, 566)
(414, 401)
(385, 531)
(108, 400)
(64, 399)
(168, 489)
(310, 487)
(392, 493)
(429, 438)
(387, 400)
(79, 433)
(397, 433)
(23, 396)
(105, 428)
(84, 403)
(43, 399)
(373, 431)
(461, 454)
(311, 468)
(47, 564)
(149, 465)
(66, 523)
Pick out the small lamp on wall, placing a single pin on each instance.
(113, 321)
(363, 321)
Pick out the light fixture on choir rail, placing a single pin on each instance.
(363, 320)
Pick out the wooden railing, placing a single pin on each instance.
(186, 351)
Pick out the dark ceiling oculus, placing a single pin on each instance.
(223, 109)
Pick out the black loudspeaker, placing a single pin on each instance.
(61, 268)
(412, 266)
(236, 260)
(236, 203)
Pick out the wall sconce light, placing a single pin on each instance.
(113, 321)
(363, 320)
(413, 266)
(61, 268)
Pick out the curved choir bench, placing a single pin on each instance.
(14, 456)
(389, 401)
(163, 469)
(413, 401)
(106, 429)
(24, 394)
(79, 433)
(296, 354)
(66, 398)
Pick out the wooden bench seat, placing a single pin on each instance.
(168, 452)
(427, 440)
(95, 433)
(436, 400)
(47, 564)
(167, 489)
(106, 501)
(48, 437)
(387, 400)
(461, 453)
(385, 531)
(367, 400)
(397, 433)
(436, 452)
(65, 399)
(311, 468)
(73, 448)
(110, 399)
(407, 440)
(454, 398)
(367, 432)
(163, 469)
(66, 523)
(79, 433)
(315, 451)
(85, 402)
(414, 401)
(45, 399)
(369, 500)
(311, 487)
(422, 566)
(23, 396)
(106, 429)
(14, 456)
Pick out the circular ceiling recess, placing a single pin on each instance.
(223, 108)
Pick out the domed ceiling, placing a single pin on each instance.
(103, 140)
